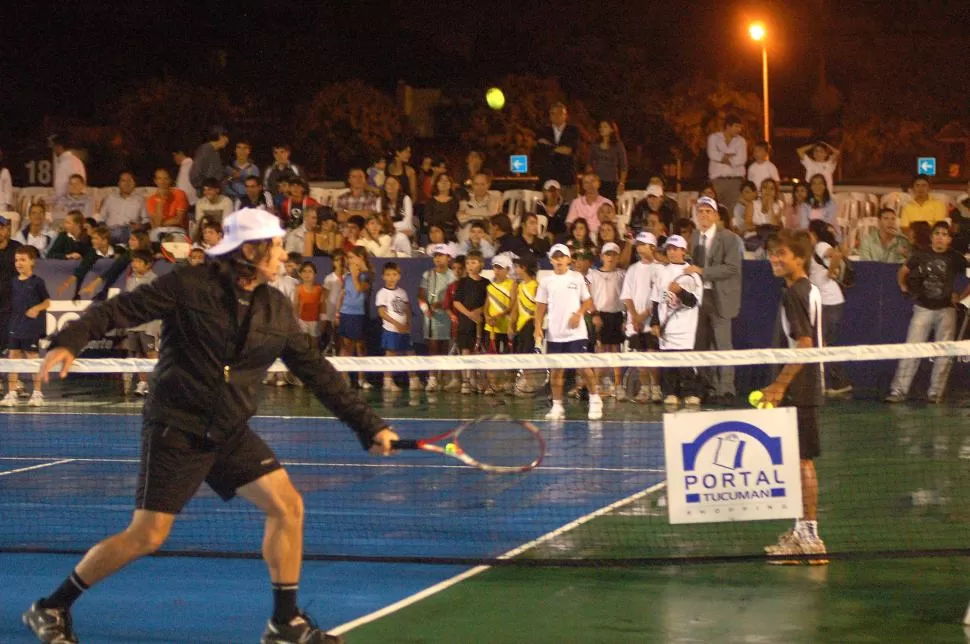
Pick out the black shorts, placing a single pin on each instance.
(27, 345)
(809, 443)
(4, 330)
(175, 463)
(644, 342)
(612, 330)
(467, 333)
(525, 338)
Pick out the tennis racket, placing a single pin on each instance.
(675, 305)
(496, 444)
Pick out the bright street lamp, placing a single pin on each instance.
(759, 34)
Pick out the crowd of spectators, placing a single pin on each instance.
(391, 209)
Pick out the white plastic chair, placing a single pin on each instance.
(628, 200)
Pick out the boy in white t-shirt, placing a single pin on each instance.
(605, 286)
(635, 294)
(676, 299)
(394, 309)
(565, 297)
(820, 158)
(762, 168)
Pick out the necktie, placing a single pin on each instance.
(700, 253)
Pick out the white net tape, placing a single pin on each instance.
(534, 361)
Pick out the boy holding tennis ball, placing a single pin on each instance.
(798, 326)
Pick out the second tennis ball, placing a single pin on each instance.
(756, 398)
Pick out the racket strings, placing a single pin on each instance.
(500, 442)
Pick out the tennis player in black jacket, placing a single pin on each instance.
(222, 327)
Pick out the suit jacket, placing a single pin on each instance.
(561, 167)
(723, 269)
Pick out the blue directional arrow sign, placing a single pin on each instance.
(519, 163)
(926, 165)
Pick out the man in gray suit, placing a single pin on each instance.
(718, 260)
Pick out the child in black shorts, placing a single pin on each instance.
(28, 323)
(470, 296)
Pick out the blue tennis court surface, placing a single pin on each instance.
(67, 481)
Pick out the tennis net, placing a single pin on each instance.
(893, 478)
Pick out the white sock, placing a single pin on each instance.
(806, 529)
(557, 403)
(595, 398)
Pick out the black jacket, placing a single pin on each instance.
(201, 385)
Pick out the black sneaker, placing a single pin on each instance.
(300, 630)
(50, 625)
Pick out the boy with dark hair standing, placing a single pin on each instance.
(798, 325)
(470, 296)
(929, 276)
(28, 324)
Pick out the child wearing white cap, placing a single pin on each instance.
(565, 297)
(676, 297)
(605, 286)
(431, 301)
(637, 287)
(498, 311)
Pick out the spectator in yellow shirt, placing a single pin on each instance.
(923, 207)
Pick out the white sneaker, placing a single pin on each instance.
(390, 385)
(365, 385)
(620, 393)
(10, 400)
(36, 399)
(595, 408)
(141, 389)
(466, 387)
(453, 386)
(692, 401)
(672, 401)
(643, 396)
(414, 383)
(655, 394)
(558, 412)
(432, 385)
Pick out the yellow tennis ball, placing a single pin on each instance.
(451, 448)
(495, 98)
(756, 398)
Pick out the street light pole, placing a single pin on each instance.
(764, 74)
(758, 34)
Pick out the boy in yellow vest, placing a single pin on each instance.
(498, 311)
(523, 317)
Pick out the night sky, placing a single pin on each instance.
(72, 59)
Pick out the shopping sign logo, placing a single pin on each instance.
(738, 465)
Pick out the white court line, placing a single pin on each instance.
(448, 583)
(36, 467)
(404, 466)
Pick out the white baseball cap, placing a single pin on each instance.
(505, 260)
(655, 191)
(609, 247)
(246, 225)
(677, 241)
(551, 183)
(442, 249)
(707, 201)
(646, 238)
(559, 248)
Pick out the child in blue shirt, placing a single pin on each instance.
(28, 324)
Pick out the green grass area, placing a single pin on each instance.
(890, 478)
(859, 601)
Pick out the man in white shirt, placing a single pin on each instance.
(182, 182)
(727, 154)
(566, 298)
(123, 211)
(296, 238)
(717, 259)
(820, 158)
(66, 165)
